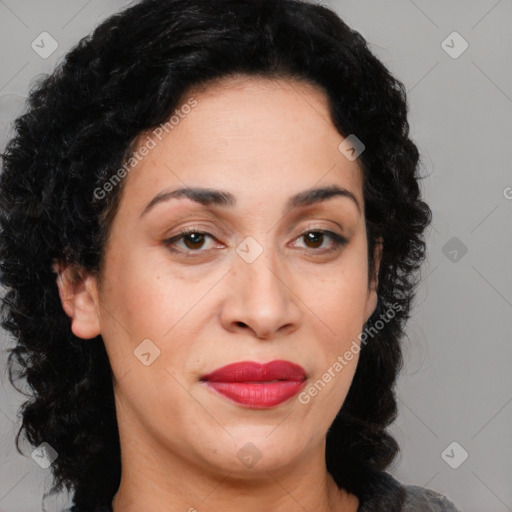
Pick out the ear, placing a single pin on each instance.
(78, 293)
(371, 302)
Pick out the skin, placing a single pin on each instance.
(263, 141)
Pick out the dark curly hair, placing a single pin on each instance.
(80, 125)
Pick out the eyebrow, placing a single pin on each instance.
(209, 196)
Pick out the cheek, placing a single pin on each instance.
(341, 309)
(148, 299)
(340, 300)
(139, 293)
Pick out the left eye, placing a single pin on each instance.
(194, 240)
(317, 237)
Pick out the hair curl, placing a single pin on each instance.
(81, 121)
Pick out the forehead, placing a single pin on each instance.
(254, 136)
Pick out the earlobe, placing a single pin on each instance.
(79, 298)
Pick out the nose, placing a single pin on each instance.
(261, 298)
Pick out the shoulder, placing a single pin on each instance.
(384, 492)
(421, 499)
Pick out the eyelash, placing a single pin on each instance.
(338, 240)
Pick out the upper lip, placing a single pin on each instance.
(251, 371)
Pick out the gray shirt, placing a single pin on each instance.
(386, 494)
(420, 499)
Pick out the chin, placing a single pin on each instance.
(255, 452)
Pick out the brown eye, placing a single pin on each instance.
(315, 238)
(193, 241)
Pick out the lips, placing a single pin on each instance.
(256, 385)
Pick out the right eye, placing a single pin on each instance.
(192, 238)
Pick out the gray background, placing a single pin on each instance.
(456, 385)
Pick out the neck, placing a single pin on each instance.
(155, 478)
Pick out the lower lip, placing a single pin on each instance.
(261, 395)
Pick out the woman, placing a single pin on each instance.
(211, 223)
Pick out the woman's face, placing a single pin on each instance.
(262, 285)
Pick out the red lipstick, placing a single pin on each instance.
(255, 385)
